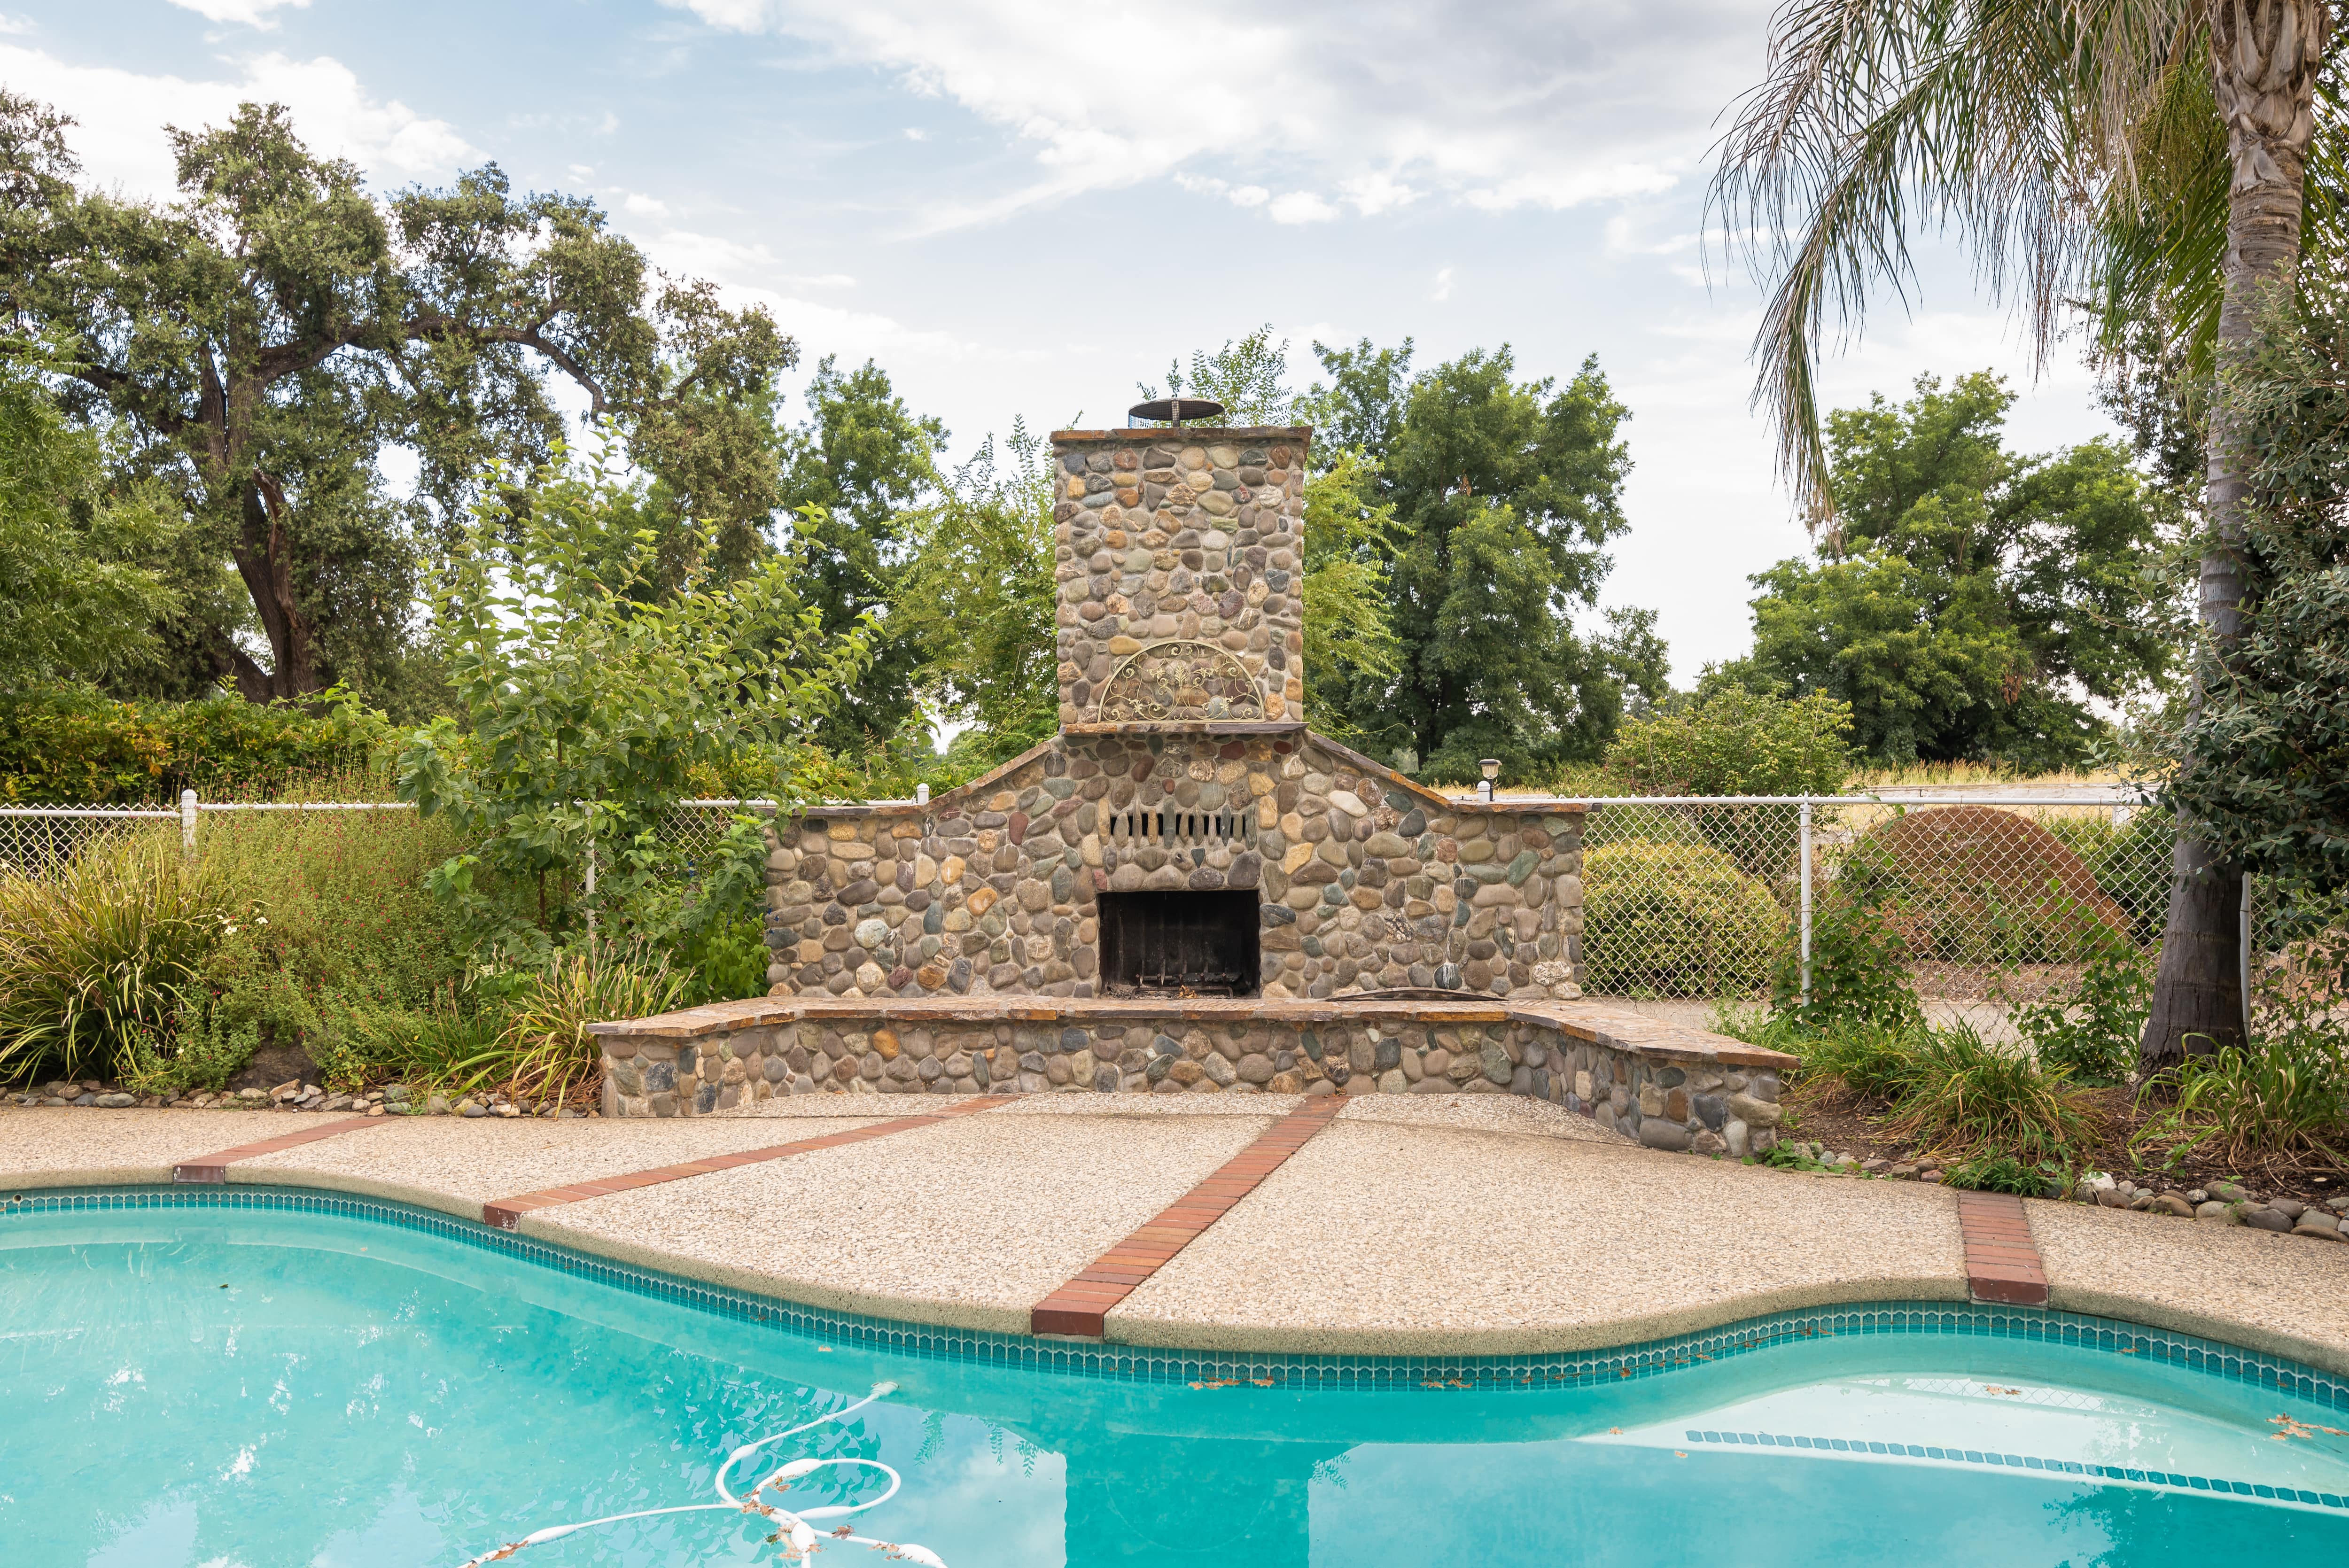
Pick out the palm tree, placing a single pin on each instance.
(2079, 149)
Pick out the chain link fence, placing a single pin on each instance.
(1997, 896)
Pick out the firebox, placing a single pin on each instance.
(1199, 943)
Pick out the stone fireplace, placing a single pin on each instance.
(1185, 890)
(1183, 766)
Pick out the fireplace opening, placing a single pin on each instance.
(1179, 944)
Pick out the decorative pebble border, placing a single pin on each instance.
(1491, 1374)
(212, 1168)
(2165, 1481)
(505, 1214)
(1078, 1306)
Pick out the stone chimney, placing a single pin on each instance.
(1178, 554)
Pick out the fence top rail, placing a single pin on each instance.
(2110, 798)
(83, 811)
(306, 806)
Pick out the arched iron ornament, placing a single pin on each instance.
(1179, 679)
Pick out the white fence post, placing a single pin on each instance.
(1806, 901)
(590, 881)
(188, 824)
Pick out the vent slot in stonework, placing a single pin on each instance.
(1178, 827)
(1180, 943)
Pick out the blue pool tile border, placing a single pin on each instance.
(1650, 1358)
(2168, 1479)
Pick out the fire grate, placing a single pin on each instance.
(1180, 943)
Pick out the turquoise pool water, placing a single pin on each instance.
(224, 1387)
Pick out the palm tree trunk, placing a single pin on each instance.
(2264, 57)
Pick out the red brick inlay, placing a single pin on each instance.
(506, 1213)
(212, 1168)
(2001, 1260)
(1078, 1306)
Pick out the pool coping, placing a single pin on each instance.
(1659, 1357)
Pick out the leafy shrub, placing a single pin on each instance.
(725, 961)
(2130, 863)
(96, 961)
(547, 1052)
(69, 746)
(1963, 1096)
(1735, 742)
(1858, 972)
(1678, 920)
(2090, 1028)
(1855, 1061)
(2003, 1173)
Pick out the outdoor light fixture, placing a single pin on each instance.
(1491, 767)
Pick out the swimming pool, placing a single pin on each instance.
(239, 1379)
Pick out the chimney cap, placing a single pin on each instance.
(1175, 409)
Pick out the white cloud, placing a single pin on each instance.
(249, 12)
(637, 204)
(1250, 196)
(17, 25)
(1300, 207)
(916, 133)
(1442, 289)
(1385, 100)
(122, 114)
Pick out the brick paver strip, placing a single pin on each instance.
(212, 1168)
(1078, 1306)
(2001, 1261)
(506, 1213)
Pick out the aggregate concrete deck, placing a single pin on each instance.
(1462, 1223)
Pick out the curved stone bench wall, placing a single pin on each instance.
(1670, 1088)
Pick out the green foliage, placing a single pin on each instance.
(2130, 863)
(1349, 646)
(1675, 920)
(97, 959)
(1735, 742)
(546, 1053)
(69, 746)
(1998, 1173)
(1854, 1060)
(1505, 495)
(2261, 764)
(2090, 1028)
(725, 961)
(1965, 1097)
(1860, 971)
(1249, 378)
(75, 598)
(1965, 591)
(859, 477)
(338, 946)
(586, 711)
(977, 598)
(265, 337)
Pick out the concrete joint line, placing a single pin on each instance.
(1078, 1309)
(2003, 1263)
(506, 1213)
(212, 1169)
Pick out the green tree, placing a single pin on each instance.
(1349, 646)
(1504, 495)
(587, 709)
(976, 599)
(856, 474)
(2072, 148)
(268, 333)
(76, 600)
(1968, 602)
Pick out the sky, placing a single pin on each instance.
(1024, 209)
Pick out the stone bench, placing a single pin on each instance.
(1668, 1086)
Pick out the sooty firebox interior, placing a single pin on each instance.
(1199, 943)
